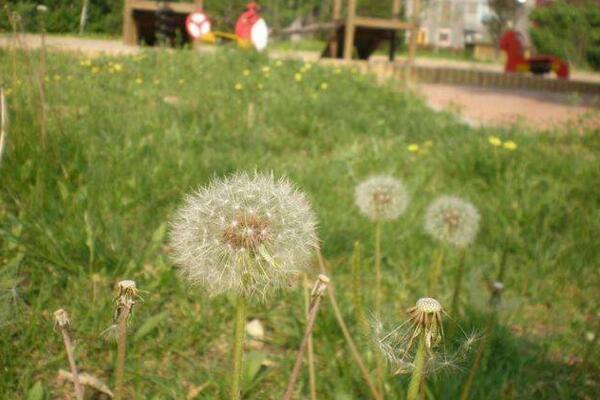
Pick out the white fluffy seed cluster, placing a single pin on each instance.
(452, 220)
(244, 234)
(428, 305)
(382, 198)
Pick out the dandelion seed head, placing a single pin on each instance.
(452, 220)
(381, 198)
(61, 318)
(429, 305)
(244, 233)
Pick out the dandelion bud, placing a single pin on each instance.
(243, 234)
(382, 198)
(452, 220)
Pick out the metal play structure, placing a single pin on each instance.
(150, 21)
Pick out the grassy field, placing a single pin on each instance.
(87, 204)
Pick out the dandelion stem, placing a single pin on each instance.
(315, 303)
(340, 320)
(378, 300)
(126, 299)
(312, 378)
(458, 284)
(357, 289)
(238, 347)
(435, 272)
(62, 321)
(466, 390)
(121, 350)
(416, 379)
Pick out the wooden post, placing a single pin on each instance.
(129, 30)
(414, 32)
(336, 15)
(393, 39)
(350, 30)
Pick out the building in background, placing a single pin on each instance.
(456, 23)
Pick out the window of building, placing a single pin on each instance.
(444, 37)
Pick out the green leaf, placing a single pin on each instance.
(159, 233)
(36, 392)
(149, 325)
(252, 364)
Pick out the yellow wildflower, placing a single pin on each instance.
(118, 67)
(337, 71)
(95, 70)
(86, 63)
(413, 147)
(246, 72)
(181, 81)
(510, 145)
(260, 86)
(278, 63)
(156, 81)
(266, 69)
(298, 76)
(57, 77)
(238, 86)
(495, 141)
(324, 86)
(139, 81)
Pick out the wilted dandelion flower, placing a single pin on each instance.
(381, 198)
(452, 220)
(400, 345)
(245, 234)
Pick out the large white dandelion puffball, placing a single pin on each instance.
(381, 198)
(452, 220)
(244, 234)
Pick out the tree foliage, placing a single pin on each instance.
(570, 31)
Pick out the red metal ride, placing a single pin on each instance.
(512, 43)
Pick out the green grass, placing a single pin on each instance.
(91, 208)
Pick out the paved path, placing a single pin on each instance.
(477, 106)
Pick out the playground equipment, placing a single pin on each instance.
(512, 43)
(149, 21)
(366, 33)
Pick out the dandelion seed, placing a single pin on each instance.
(495, 141)
(382, 198)
(452, 220)
(243, 234)
(400, 345)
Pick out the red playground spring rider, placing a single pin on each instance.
(512, 43)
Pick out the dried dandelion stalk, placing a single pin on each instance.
(62, 322)
(310, 355)
(315, 302)
(86, 380)
(126, 299)
(340, 320)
